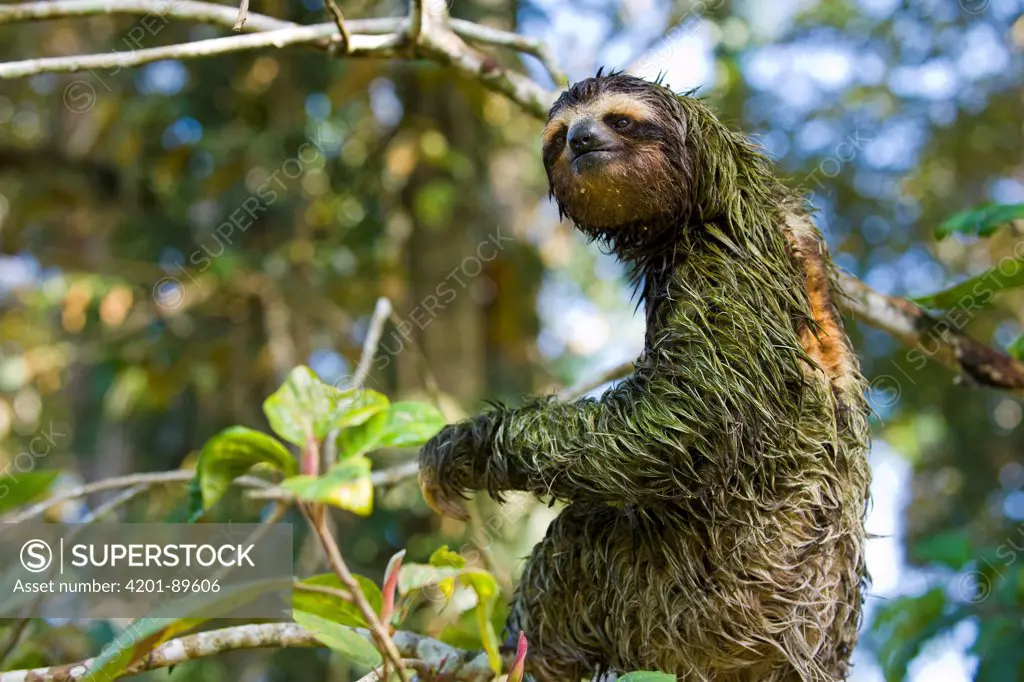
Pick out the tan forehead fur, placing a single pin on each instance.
(607, 103)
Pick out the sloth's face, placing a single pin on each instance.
(608, 149)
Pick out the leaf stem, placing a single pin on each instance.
(316, 516)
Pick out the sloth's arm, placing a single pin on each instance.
(614, 449)
(718, 389)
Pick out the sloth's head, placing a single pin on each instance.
(615, 152)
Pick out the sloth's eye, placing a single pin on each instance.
(621, 122)
(560, 139)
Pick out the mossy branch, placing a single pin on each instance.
(934, 337)
(454, 664)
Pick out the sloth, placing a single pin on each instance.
(713, 525)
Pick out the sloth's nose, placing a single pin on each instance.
(583, 137)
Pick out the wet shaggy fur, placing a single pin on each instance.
(715, 498)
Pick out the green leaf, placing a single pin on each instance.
(486, 588)
(902, 626)
(410, 424)
(135, 641)
(403, 424)
(447, 558)
(19, 489)
(482, 582)
(305, 407)
(412, 577)
(339, 638)
(464, 633)
(997, 647)
(647, 676)
(347, 485)
(359, 440)
(949, 549)
(234, 451)
(334, 608)
(1016, 348)
(982, 220)
(442, 573)
(978, 291)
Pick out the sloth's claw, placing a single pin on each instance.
(440, 501)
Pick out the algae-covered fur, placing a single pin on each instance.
(714, 525)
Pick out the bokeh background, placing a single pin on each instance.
(131, 330)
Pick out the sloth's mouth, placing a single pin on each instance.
(592, 159)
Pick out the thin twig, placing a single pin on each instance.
(243, 10)
(415, 20)
(384, 641)
(19, 628)
(275, 515)
(433, 390)
(383, 478)
(392, 476)
(440, 44)
(381, 311)
(339, 20)
(377, 674)
(487, 35)
(13, 639)
(147, 479)
(587, 385)
(113, 503)
(262, 490)
(360, 45)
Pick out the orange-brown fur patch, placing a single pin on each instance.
(826, 344)
(598, 108)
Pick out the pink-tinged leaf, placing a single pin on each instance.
(516, 673)
(387, 610)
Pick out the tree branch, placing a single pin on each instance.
(339, 21)
(148, 480)
(361, 45)
(415, 20)
(220, 15)
(243, 11)
(183, 10)
(452, 663)
(485, 35)
(937, 338)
